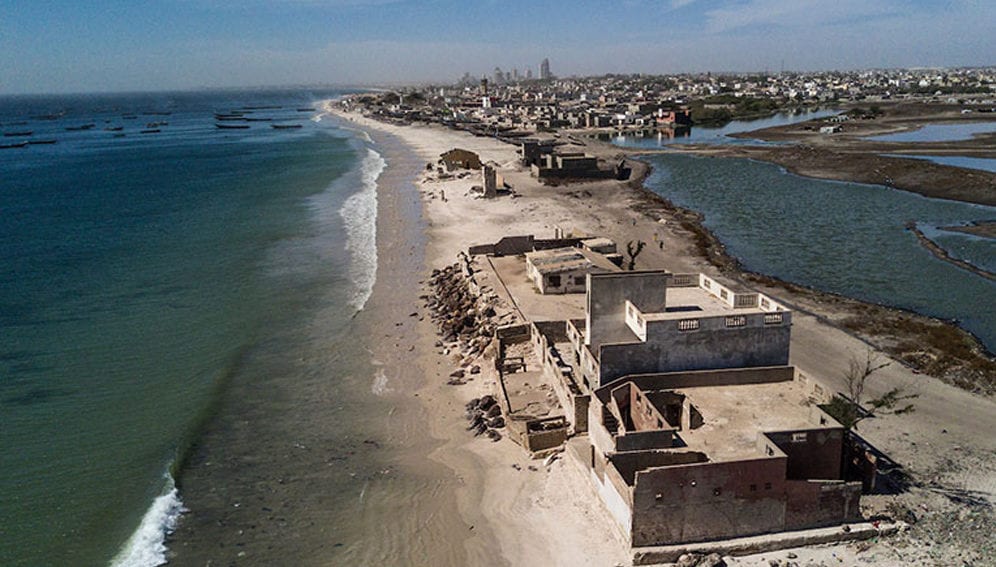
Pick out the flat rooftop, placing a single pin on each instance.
(510, 274)
(692, 302)
(735, 416)
(568, 259)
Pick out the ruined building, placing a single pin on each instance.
(679, 402)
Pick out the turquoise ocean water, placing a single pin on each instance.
(138, 269)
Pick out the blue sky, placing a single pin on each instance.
(113, 45)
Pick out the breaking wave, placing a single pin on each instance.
(147, 546)
(359, 214)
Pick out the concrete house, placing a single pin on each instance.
(640, 322)
(697, 427)
(693, 456)
(460, 159)
(565, 270)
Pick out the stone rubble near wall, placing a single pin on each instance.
(484, 415)
(466, 320)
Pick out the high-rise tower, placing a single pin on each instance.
(544, 70)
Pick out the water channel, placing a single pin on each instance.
(939, 133)
(654, 138)
(846, 238)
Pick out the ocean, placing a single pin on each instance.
(143, 274)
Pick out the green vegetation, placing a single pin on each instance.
(720, 109)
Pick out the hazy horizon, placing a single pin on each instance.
(147, 45)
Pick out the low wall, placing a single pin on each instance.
(700, 378)
(814, 503)
(701, 502)
(543, 434)
(516, 245)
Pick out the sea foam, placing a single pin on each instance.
(359, 213)
(147, 546)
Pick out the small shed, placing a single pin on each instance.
(563, 270)
(460, 159)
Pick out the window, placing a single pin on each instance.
(688, 324)
(767, 486)
(554, 281)
(660, 424)
(799, 437)
(723, 294)
(765, 303)
(753, 488)
(736, 321)
(772, 318)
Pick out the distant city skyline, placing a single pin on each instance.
(64, 46)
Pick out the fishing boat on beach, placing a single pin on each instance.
(80, 128)
(12, 146)
(284, 126)
(114, 128)
(150, 131)
(21, 134)
(41, 142)
(232, 126)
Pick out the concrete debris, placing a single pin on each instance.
(460, 313)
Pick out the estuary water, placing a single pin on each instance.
(714, 135)
(846, 238)
(141, 271)
(939, 133)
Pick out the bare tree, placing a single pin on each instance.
(850, 411)
(633, 250)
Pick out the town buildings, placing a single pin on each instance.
(511, 107)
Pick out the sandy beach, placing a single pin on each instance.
(512, 515)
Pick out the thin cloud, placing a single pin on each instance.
(796, 14)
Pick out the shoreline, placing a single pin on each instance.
(949, 346)
(870, 167)
(534, 501)
(940, 253)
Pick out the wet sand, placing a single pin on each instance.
(323, 462)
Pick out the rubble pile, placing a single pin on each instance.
(462, 316)
(484, 415)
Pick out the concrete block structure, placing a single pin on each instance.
(460, 159)
(697, 428)
(565, 270)
(696, 456)
(654, 321)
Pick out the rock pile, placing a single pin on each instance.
(698, 560)
(484, 415)
(461, 314)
